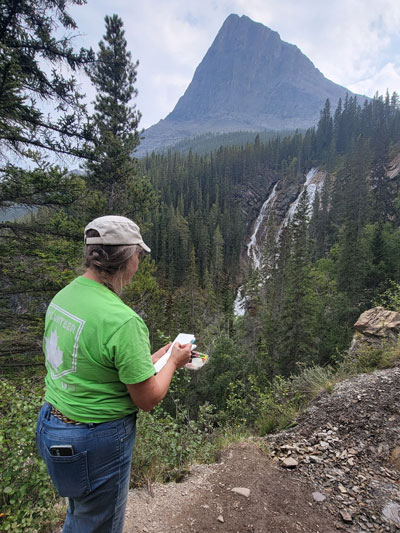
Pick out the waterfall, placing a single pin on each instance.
(240, 302)
(312, 188)
(312, 185)
(253, 250)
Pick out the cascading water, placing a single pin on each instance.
(239, 303)
(253, 250)
(311, 189)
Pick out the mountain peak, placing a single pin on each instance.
(244, 30)
(243, 20)
(250, 80)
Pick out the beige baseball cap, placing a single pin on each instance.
(115, 230)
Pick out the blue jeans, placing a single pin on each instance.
(96, 477)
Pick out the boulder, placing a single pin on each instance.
(318, 496)
(346, 516)
(289, 462)
(379, 322)
(376, 327)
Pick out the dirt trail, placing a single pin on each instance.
(205, 502)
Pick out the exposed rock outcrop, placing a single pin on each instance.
(375, 328)
(393, 169)
(251, 197)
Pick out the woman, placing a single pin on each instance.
(99, 373)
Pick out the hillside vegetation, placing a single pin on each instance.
(208, 142)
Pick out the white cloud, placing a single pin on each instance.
(387, 78)
(172, 85)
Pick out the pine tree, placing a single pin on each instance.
(315, 227)
(191, 296)
(338, 127)
(324, 135)
(298, 316)
(39, 252)
(351, 254)
(115, 136)
(209, 294)
(217, 264)
(31, 59)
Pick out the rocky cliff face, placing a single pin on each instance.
(248, 80)
(270, 199)
(279, 207)
(282, 198)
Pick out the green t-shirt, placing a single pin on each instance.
(94, 344)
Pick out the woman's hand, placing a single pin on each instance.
(180, 354)
(159, 353)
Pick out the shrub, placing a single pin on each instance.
(314, 380)
(28, 499)
(279, 404)
(390, 357)
(390, 299)
(367, 359)
(264, 407)
(166, 445)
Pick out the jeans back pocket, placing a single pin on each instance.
(69, 473)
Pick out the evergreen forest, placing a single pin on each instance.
(338, 256)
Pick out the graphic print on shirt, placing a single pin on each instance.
(54, 354)
(61, 341)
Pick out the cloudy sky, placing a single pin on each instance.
(355, 43)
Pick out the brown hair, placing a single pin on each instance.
(109, 261)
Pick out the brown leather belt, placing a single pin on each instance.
(55, 412)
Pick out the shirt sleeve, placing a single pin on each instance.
(129, 347)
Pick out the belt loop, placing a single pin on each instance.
(47, 411)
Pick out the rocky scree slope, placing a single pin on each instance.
(244, 492)
(347, 444)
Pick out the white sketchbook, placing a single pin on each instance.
(182, 338)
